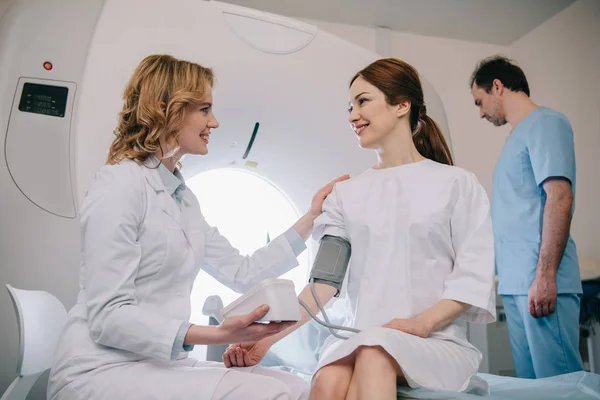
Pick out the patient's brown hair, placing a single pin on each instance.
(399, 81)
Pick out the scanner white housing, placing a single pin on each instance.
(278, 294)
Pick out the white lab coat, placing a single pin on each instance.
(419, 233)
(140, 257)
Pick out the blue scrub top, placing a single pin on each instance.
(540, 146)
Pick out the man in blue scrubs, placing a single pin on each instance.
(532, 205)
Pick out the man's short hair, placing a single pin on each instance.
(503, 69)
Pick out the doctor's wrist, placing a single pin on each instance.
(313, 213)
(304, 225)
(198, 335)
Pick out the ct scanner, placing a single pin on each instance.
(63, 67)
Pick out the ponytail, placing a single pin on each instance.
(430, 142)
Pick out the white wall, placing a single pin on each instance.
(562, 60)
(447, 64)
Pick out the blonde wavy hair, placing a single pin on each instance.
(155, 100)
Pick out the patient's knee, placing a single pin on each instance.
(375, 359)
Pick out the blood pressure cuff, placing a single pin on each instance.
(331, 262)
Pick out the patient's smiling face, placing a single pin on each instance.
(371, 117)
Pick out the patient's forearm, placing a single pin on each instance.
(442, 314)
(324, 293)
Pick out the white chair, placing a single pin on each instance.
(212, 309)
(41, 318)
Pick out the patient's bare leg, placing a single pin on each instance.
(352, 390)
(331, 382)
(375, 375)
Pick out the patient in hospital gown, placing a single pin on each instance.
(420, 233)
(422, 258)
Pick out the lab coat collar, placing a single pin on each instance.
(150, 169)
(172, 181)
(168, 204)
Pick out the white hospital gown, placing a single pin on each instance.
(420, 233)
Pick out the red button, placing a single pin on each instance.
(47, 65)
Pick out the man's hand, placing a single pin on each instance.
(542, 296)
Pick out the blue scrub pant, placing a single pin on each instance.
(546, 346)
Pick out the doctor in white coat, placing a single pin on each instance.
(422, 253)
(144, 240)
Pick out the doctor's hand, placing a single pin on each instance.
(316, 205)
(410, 326)
(243, 328)
(542, 296)
(305, 224)
(245, 354)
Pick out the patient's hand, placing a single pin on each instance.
(245, 354)
(412, 326)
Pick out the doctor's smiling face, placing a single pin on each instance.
(167, 112)
(371, 117)
(195, 130)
